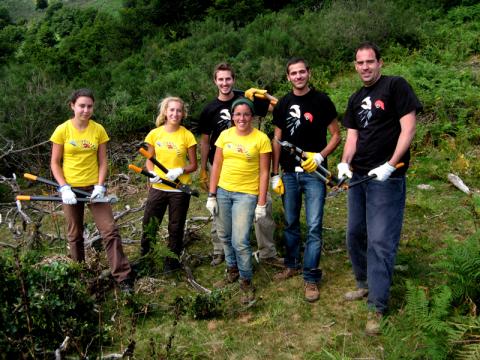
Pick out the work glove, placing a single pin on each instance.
(344, 170)
(155, 179)
(260, 212)
(68, 196)
(383, 172)
(212, 205)
(98, 192)
(312, 162)
(277, 184)
(204, 180)
(174, 173)
(252, 93)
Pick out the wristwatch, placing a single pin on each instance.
(211, 194)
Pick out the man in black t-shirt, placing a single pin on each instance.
(302, 118)
(380, 121)
(215, 118)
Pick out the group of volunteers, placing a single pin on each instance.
(239, 162)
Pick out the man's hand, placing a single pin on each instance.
(260, 212)
(98, 192)
(313, 161)
(382, 172)
(277, 184)
(204, 180)
(174, 173)
(156, 179)
(68, 196)
(212, 205)
(344, 170)
(253, 92)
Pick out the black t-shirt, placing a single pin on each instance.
(304, 121)
(215, 118)
(375, 111)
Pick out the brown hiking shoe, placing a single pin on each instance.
(274, 261)
(311, 292)
(356, 294)
(231, 275)
(373, 326)
(247, 291)
(285, 274)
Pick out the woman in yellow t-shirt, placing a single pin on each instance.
(79, 159)
(172, 144)
(238, 191)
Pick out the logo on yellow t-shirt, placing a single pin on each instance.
(84, 144)
(169, 145)
(239, 149)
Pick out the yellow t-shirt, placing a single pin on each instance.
(80, 147)
(241, 160)
(171, 150)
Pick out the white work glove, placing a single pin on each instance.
(154, 180)
(344, 170)
(212, 205)
(173, 174)
(68, 196)
(277, 184)
(383, 172)
(98, 192)
(260, 212)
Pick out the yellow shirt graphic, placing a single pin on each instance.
(171, 150)
(241, 160)
(80, 147)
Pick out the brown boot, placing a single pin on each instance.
(231, 275)
(311, 292)
(373, 326)
(247, 291)
(285, 274)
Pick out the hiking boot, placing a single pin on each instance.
(285, 274)
(231, 275)
(247, 291)
(373, 326)
(274, 261)
(356, 294)
(311, 292)
(217, 259)
(171, 265)
(126, 286)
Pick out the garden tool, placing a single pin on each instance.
(325, 175)
(344, 186)
(106, 199)
(112, 199)
(174, 184)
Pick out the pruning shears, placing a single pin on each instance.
(343, 185)
(174, 184)
(85, 195)
(300, 155)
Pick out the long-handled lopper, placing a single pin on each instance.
(174, 184)
(112, 199)
(344, 186)
(325, 175)
(59, 198)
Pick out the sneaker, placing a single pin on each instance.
(356, 294)
(274, 261)
(126, 286)
(217, 259)
(231, 275)
(373, 326)
(287, 273)
(247, 291)
(311, 292)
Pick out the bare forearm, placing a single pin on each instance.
(264, 177)
(204, 150)
(408, 124)
(350, 146)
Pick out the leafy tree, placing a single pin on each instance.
(41, 4)
(5, 18)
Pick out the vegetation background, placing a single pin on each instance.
(134, 52)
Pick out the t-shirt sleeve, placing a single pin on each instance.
(58, 136)
(265, 144)
(204, 126)
(330, 110)
(277, 114)
(103, 136)
(190, 139)
(221, 139)
(149, 139)
(348, 118)
(405, 99)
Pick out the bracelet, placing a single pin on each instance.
(212, 194)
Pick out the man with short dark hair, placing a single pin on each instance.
(380, 121)
(303, 118)
(215, 118)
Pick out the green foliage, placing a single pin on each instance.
(41, 305)
(204, 306)
(460, 264)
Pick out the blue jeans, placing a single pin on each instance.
(314, 190)
(234, 220)
(375, 217)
